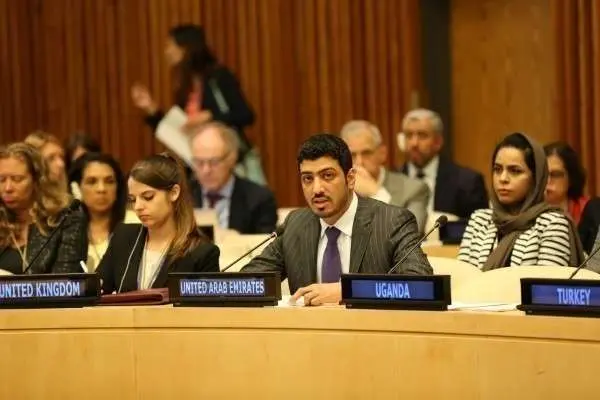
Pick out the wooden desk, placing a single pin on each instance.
(284, 353)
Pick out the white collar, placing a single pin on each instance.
(430, 170)
(381, 178)
(346, 221)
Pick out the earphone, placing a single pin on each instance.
(129, 259)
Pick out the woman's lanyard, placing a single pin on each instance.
(22, 253)
(146, 283)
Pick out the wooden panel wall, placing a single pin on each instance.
(503, 75)
(306, 66)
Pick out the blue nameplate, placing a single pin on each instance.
(49, 290)
(229, 289)
(402, 292)
(565, 297)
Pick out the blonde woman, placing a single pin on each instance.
(30, 208)
(53, 154)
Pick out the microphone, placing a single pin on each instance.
(441, 221)
(75, 204)
(592, 254)
(272, 236)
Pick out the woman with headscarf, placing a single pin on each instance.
(520, 229)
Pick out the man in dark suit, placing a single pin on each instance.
(339, 232)
(240, 204)
(456, 190)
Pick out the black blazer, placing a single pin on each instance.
(588, 224)
(62, 254)
(123, 249)
(253, 208)
(237, 112)
(458, 190)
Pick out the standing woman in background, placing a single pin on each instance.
(104, 197)
(53, 154)
(30, 208)
(205, 90)
(140, 256)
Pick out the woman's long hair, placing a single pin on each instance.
(198, 59)
(48, 200)
(117, 212)
(163, 172)
(38, 139)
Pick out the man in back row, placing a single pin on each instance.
(240, 204)
(369, 156)
(454, 189)
(339, 232)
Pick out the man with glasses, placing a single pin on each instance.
(456, 190)
(369, 156)
(240, 204)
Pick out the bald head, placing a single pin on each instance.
(214, 150)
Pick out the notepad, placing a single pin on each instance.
(489, 307)
(170, 134)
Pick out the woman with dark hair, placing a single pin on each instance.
(203, 88)
(140, 256)
(31, 206)
(104, 197)
(77, 145)
(566, 180)
(520, 229)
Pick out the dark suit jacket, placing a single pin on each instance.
(252, 210)
(381, 235)
(458, 190)
(588, 224)
(64, 251)
(123, 249)
(238, 113)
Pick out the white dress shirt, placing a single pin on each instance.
(222, 206)
(382, 194)
(344, 224)
(430, 171)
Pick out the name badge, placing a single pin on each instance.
(402, 292)
(51, 290)
(563, 297)
(229, 289)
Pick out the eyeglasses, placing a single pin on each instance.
(209, 162)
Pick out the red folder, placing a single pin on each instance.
(137, 298)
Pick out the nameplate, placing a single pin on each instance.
(402, 292)
(229, 289)
(564, 297)
(49, 290)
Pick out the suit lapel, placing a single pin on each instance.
(441, 186)
(130, 280)
(236, 208)
(310, 245)
(163, 274)
(361, 231)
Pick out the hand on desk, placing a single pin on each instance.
(319, 293)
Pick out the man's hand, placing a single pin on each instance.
(319, 293)
(366, 185)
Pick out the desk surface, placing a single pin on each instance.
(289, 353)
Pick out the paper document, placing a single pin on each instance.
(170, 134)
(286, 301)
(497, 307)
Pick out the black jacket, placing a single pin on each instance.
(253, 208)
(62, 254)
(458, 190)
(121, 262)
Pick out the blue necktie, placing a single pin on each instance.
(332, 263)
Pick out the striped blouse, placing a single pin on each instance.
(545, 243)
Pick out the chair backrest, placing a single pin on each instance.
(431, 218)
(460, 272)
(503, 285)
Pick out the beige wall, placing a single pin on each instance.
(502, 75)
